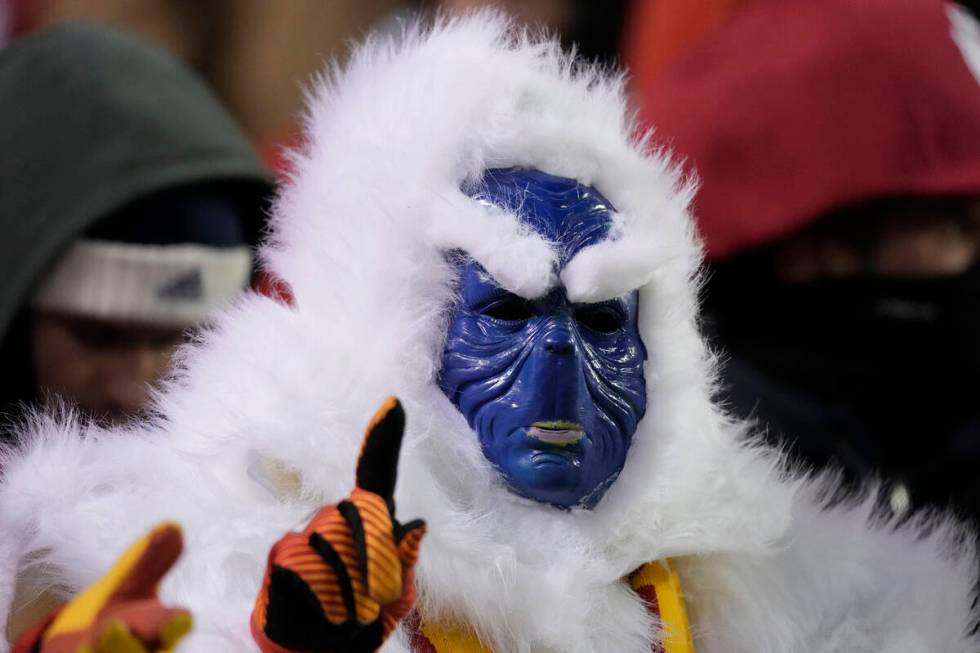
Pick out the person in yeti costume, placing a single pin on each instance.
(263, 420)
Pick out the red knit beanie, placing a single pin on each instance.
(795, 109)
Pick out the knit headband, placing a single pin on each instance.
(173, 285)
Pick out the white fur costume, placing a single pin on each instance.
(360, 234)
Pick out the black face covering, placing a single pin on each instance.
(884, 373)
(836, 336)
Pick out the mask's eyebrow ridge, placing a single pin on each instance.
(486, 289)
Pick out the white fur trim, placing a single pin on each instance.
(159, 284)
(360, 234)
(965, 31)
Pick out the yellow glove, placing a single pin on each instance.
(121, 612)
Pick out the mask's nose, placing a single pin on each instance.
(559, 341)
(556, 374)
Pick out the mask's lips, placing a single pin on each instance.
(558, 432)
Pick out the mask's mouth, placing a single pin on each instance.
(559, 432)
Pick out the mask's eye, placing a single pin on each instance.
(509, 309)
(601, 319)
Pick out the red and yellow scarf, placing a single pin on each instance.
(657, 583)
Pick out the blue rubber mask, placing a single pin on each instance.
(554, 390)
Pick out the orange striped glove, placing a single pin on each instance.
(344, 583)
(119, 613)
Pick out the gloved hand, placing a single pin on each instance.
(120, 613)
(344, 582)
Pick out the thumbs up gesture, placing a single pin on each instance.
(120, 613)
(343, 584)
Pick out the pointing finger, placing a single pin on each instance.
(377, 468)
(160, 549)
(134, 576)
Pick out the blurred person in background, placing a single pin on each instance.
(593, 29)
(255, 55)
(130, 201)
(838, 147)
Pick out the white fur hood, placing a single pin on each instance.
(360, 233)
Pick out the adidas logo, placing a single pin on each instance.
(187, 287)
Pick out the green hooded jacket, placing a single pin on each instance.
(91, 120)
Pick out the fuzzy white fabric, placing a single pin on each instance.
(360, 233)
(965, 32)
